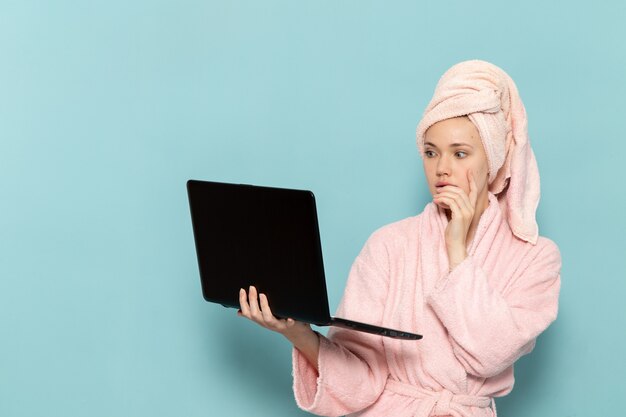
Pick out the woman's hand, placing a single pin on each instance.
(462, 209)
(299, 334)
(262, 314)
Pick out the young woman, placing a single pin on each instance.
(470, 272)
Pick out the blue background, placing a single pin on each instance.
(108, 107)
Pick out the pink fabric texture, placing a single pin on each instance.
(489, 97)
(477, 320)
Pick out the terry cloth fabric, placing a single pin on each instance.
(477, 320)
(489, 97)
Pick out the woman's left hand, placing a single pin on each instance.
(462, 209)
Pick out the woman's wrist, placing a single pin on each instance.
(308, 343)
(456, 255)
(301, 337)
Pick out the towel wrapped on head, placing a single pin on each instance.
(489, 98)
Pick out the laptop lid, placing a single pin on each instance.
(262, 236)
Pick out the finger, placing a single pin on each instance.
(440, 203)
(454, 206)
(243, 303)
(473, 195)
(289, 322)
(253, 299)
(457, 192)
(268, 317)
(457, 212)
(459, 197)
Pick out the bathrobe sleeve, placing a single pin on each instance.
(490, 330)
(352, 366)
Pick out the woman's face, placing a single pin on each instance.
(451, 148)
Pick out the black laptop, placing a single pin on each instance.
(267, 237)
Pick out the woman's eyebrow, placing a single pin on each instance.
(456, 145)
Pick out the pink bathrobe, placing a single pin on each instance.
(477, 320)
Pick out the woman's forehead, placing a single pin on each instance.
(452, 132)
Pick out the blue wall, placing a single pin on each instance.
(108, 107)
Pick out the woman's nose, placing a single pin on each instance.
(443, 166)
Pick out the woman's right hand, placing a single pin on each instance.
(261, 314)
(299, 334)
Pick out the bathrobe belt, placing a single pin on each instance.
(439, 403)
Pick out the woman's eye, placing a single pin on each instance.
(428, 153)
(461, 152)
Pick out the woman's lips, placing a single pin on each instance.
(439, 186)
